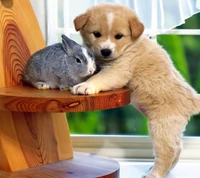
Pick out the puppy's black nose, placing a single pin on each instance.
(106, 52)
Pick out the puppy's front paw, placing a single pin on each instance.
(84, 88)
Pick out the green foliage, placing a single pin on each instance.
(175, 48)
(124, 120)
(184, 53)
(85, 122)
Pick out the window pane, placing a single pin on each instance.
(77, 7)
(60, 14)
(124, 120)
(185, 53)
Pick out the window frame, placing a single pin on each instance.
(129, 147)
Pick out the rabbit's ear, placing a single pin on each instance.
(68, 44)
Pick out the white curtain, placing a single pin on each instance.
(160, 15)
(157, 15)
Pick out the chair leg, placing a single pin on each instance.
(33, 139)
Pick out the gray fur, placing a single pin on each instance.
(61, 65)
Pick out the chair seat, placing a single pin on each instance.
(29, 99)
(83, 165)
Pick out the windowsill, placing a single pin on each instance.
(130, 168)
(135, 153)
(129, 147)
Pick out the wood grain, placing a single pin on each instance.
(20, 37)
(33, 139)
(29, 99)
(26, 139)
(82, 166)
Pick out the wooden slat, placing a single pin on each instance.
(10, 144)
(33, 139)
(61, 133)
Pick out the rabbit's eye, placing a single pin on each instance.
(78, 60)
(97, 34)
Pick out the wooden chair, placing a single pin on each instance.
(33, 126)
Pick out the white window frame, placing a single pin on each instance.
(129, 147)
(118, 146)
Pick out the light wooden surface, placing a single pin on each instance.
(29, 99)
(33, 139)
(20, 37)
(26, 139)
(82, 166)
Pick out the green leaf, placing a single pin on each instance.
(175, 48)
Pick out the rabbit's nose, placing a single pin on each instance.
(91, 70)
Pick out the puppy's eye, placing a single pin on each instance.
(97, 34)
(118, 36)
(78, 60)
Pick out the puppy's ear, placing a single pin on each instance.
(136, 27)
(80, 21)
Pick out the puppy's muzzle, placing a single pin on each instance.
(106, 52)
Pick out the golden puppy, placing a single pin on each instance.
(128, 58)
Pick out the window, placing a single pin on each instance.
(125, 129)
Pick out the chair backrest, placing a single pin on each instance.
(20, 37)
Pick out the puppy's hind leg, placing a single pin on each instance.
(166, 138)
(176, 159)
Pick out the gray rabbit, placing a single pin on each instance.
(61, 65)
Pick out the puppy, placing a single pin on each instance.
(128, 58)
